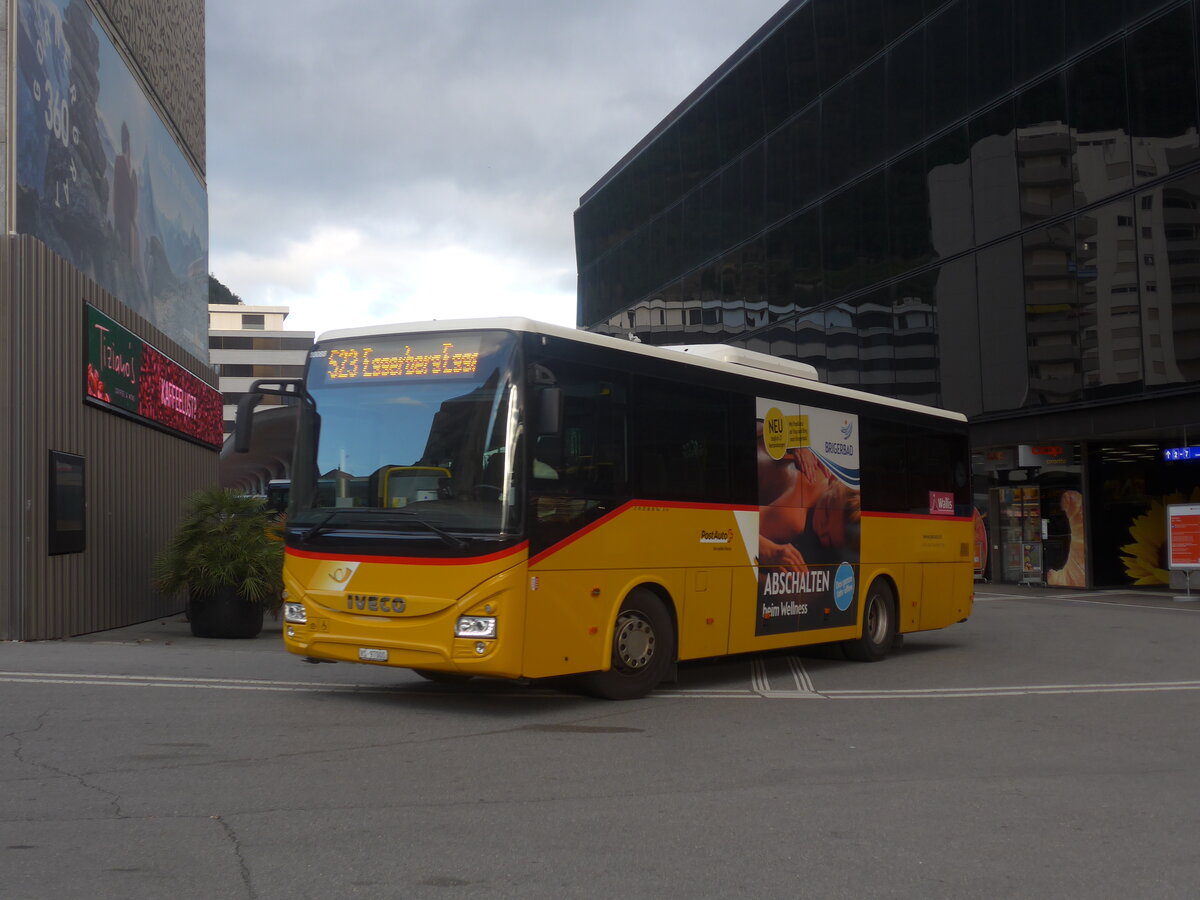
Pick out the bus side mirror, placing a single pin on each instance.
(244, 424)
(550, 403)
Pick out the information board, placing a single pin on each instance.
(1183, 536)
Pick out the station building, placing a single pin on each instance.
(109, 412)
(987, 205)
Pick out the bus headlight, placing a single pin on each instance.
(295, 613)
(475, 627)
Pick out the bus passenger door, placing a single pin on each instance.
(704, 622)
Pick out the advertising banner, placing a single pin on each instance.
(99, 178)
(124, 373)
(809, 517)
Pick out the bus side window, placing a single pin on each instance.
(587, 453)
(682, 442)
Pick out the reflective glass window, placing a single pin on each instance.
(779, 274)
(838, 159)
(799, 37)
(1039, 31)
(807, 272)
(733, 135)
(833, 45)
(946, 66)
(810, 341)
(948, 162)
(840, 243)
(901, 15)
(871, 195)
(994, 173)
(915, 327)
(805, 134)
(753, 189)
(1052, 325)
(732, 222)
(1044, 176)
(908, 212)
(1169, 233)
(777, 175)
(1162, 95)
(875, 322)
(1002, 351)
(866, 29)
(1100, 125)
(906, 92)
(958, 336)
(777, 104)
(699, 142)
(1109, 300)
(868, 141)
(842, 363)
(1090, 21)
(990, 32)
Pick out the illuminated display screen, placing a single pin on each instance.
(410, 358)
(126, 374)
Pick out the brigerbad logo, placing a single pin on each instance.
(844, 447)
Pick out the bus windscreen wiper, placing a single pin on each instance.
(381, 515)
(455, 542)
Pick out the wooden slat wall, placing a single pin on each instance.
(136, 476)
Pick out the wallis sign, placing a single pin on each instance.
(128, 376)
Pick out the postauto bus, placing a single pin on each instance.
(520, 500)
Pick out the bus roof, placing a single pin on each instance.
(721, 357)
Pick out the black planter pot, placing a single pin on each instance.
(224, 615)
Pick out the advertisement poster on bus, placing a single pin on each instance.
(809, 517)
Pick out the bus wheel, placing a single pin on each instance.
(879, 625)
(643, 649)
(442, 677)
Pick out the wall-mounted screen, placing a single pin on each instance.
(127, 375)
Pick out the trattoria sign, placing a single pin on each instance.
(127, 375)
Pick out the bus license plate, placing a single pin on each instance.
(371, 654)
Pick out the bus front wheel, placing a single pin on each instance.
(879, 625)
(643, 649)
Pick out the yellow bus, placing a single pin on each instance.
(520, 500)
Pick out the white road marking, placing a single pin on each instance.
(760, 687)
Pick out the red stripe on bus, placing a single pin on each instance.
(887, 515)
(625, 507)
(413, 560)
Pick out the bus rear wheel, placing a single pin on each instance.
(879, 625)
(643, 649)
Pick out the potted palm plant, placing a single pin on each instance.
(228, 556)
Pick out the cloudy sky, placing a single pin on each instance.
(379, 161)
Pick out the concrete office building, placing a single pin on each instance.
(989, 205)
(247, 343)
(109, 414)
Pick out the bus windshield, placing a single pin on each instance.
(411, 434)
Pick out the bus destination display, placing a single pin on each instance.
(433, 358)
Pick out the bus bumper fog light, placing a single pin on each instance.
(475, 627)
(295, 613)
(291, 632)
(480, 647)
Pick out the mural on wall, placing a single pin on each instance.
(99, 179)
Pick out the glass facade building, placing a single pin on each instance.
(987, 205)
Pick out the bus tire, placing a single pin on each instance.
(643, 650)
(442, 677)
(879, 625)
